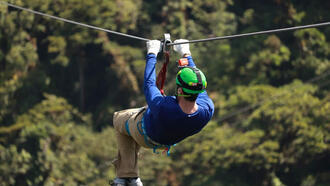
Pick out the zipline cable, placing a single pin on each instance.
(253, 33)
(168, 44)
(272, 98)
(73, 22)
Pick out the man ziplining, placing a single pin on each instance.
(166, 120)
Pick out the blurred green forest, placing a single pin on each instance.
(60, 84)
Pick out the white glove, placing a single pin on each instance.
(182, 49)
(153, 46)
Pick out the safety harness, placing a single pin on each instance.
(147, 140)
(152, 144)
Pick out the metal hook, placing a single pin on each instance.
(167, 40)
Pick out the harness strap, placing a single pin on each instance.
(127, 123)
(127, 128)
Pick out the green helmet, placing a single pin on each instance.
(192, 80)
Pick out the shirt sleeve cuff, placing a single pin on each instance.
(151, 55)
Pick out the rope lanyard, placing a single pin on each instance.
(162, 73)
(160, 81)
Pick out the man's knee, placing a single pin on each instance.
(119, 121)
(114, 119)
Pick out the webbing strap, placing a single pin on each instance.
(127, 128)
(162, 73)
(147, 139)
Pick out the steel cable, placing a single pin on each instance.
(168, 44)
(253, 33)
(74, 22)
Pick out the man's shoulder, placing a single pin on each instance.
(205, 100)
(169, 100)
(203, 97)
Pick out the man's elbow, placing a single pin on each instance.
(146, 88)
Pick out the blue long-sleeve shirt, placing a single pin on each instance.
(164, 120)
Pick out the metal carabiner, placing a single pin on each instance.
(167, 40)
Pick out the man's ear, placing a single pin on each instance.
(180, 91)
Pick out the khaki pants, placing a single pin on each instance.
(128, 145)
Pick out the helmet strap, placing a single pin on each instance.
(198, 75)
(181, 95)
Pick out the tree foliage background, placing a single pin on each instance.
(61, 83)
